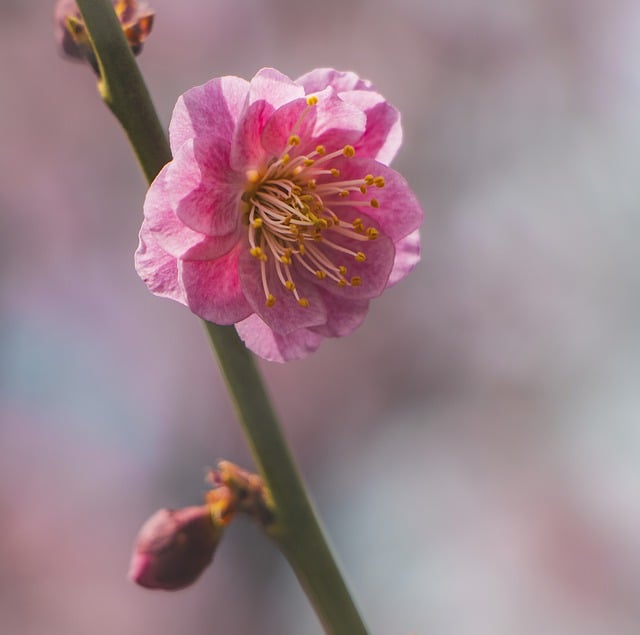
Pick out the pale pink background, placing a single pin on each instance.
(474, 448)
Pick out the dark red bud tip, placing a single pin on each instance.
(173, 548)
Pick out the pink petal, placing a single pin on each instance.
(286, 315)
(407, 257)
(158, 269)
(212, 288)
(399, 212)
(205, 192)
(272, 86)
(332, 123)
(246, 149)
(210, 110)
(171, 234)
(343, 316)
(320, 78)
(383, 134)
(268, 91)
(259, 338)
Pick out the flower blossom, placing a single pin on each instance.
(278, 212)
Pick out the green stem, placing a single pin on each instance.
(122, 87)
(297, 530)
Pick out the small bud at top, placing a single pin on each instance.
(174, 547)
(71, 34)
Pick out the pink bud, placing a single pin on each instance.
(173, 548)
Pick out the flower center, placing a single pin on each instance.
(294, 217)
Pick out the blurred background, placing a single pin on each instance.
(478, 462)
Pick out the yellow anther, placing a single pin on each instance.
(321, 275)
(308, 162)
(343, 270)
(369, 180)
(321, 149)
(285, 159)
(349, 151)
(257, 223)
(312, 184)
(360, 256)
(303, 302)
(335, 172)
(375, 203)
(271, 300)
(358, 225)
(285, 260)
(372, 233)
(290, 285)
(343, 193)
(256, 252)
(294, 140)
(297, 170)
(322, 223)
(379, 181)
(363, 189)
(301, 249)
(356, 281)
(253, 176)
(312, 100)
(342, 282)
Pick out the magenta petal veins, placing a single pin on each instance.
(278, 212)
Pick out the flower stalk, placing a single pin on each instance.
(296, 529)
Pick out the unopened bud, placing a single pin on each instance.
(174, 547)
(71, 34)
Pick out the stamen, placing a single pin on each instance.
(290, 215)
(253, 176)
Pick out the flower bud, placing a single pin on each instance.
(71, 34)
(174, 547)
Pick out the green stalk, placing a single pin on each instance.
(296, 529)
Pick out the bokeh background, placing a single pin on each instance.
(474, 449)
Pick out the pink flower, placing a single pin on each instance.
(278, 212)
